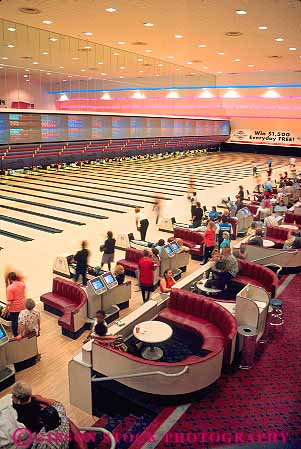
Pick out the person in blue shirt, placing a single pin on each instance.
(213, 214)
(224, 226)
(226, 243)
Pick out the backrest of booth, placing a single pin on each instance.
(187, 234)
(133, 254)
(290, 217)
(260, 273)
(69, 290)
(277, 232)
(202, 307)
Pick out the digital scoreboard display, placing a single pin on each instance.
(54, 127)
(4, 128)
(33, 128)
(24, 128)
(79, 127)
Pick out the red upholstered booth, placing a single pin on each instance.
(255, 274)
(278, 235)
(194, 240)
(69, 301)
(130, 262)
(200, 315)
(291, 218)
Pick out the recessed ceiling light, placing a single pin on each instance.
(141, 71)
(45, 53)
(262, 27)
(221, 53)
(75, 58)
(219, 72)
(87, 33)
(115, 54)
(148, 51)
(103, 74)
(27, 80)
(47, 22)
(111, 9)
(120, 42)
(61, 67)
(121, 76)
(87, 47)
(139, 59)
(42, 70)
(148, 24)
(53, 39)
(279, 39)
(250, 65)
(192, 73)
(11, 29)
(241, 12)
(27, 70)
(100, 63)
(4, 57)
(177, 68)
(292, 48)
(122, 67)
(10, 46)
(64, 81)
(189, 62)
(261, 70)
(157, 74)
(202, 45)
(82, 70)
(160, 65)
(205, 67)
(171, 57)
(35, 63)
(25, 76)
(179, 36)
(48, 73)
(237, 60)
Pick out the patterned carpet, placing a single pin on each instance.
(262, 405)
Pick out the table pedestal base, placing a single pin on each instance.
(152, 353)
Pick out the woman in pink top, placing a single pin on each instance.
(209, 240)
(15, 300)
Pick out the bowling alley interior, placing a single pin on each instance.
(150, 224)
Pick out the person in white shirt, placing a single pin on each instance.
(142, 223)
(8, 426)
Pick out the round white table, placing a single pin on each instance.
(268, 243)
(207, 290)
(292, 227)
(152, 332)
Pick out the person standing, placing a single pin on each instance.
(15, 297)
(157, 208)
(108, 249)
(209, 240)
(198, 215)
(81, 259)
(29, 320)
(193, 200)
(254, 169)
(142, 223)
(146, 274)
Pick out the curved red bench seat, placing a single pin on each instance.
(191, 239)
(258, 275)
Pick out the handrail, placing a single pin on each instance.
(148, 373)
(276, 254)
(100, 429)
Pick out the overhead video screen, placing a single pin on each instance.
(24, 128)
(101, 127)
(4, 128)
(33, 128)
(120, 127)
(79, 127)
(54, 127)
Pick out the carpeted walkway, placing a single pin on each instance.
(262, 405)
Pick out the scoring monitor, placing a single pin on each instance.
(98, 285)
(109, 279)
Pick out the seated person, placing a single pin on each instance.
(29, 320)
(181, 245)
(231, 262)
(119, 274)
(213, 214)
(219, 276)
(100, 318)
(226, 243)
(167, 282)
(280, 209)
(287, 244)
(296, 242)
(27, 406)
(242, 252)
(215, 255)
(155, 255)
(159, 245)
(256, 239)
(116, 341)
(238, 203)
